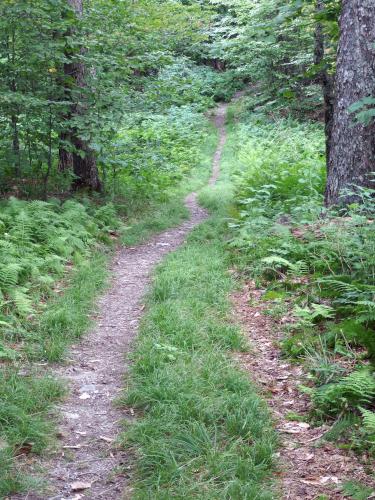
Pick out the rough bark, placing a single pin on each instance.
(352, 152)
(82, 160)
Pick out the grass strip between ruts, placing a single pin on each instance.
(202, 430)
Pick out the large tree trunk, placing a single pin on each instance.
(352, 151)
(82, 160)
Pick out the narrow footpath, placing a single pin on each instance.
(87, 463)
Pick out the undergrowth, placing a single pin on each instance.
(202, 430)
(317, 267)
(154, 216)
(54, 260)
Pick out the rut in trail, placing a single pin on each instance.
(90, 422)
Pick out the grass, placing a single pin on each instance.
(27, 397)
(67, 318)
(25, 420)
(203, 432)
(155, 217)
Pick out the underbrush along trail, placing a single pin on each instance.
(87, 460)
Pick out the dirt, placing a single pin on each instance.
(309, 466)
(219, 121)
(88, 463)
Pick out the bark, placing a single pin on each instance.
(82, 160)
(16, 147)
(325, 80)
(84, 167)
(65, 156)
(352, 152)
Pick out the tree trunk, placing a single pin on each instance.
(84, 167)
(16, 147)
(325, 80)
(82, 160)
(65, 156)
(352, 151)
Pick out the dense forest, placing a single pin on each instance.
(238, 137)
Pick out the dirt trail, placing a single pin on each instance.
(90, 421)
(309, 466)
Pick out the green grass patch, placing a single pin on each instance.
(204, 432)
(26, 425)
(67, 318)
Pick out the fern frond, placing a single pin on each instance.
(339, 286)
(353, 391)
(368, 420)
(21, 301)
(9, 275)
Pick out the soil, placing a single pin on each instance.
(309, 466)
(88, 463)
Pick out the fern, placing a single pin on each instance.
(278, 262)
(339, 286)
(22, 302)
(353, 391)
(9, 275)
(368, 420)
(36, 240)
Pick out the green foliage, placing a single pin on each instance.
(368, 421)
(321, 261)
(357, 491)
(353, 391)
(271, 44)
(134, 52)
(38, 242)
(153, 156)
(292, 170)
(200, 411)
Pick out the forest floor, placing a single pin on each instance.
(310, 467)
(90, 462)
(87, 462)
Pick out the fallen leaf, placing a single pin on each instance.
(25, 449)
(108, 440)
(329, 479)
(295, 427)
(80, 485)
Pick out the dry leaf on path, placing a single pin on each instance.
(295, 427)
(80, 485)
